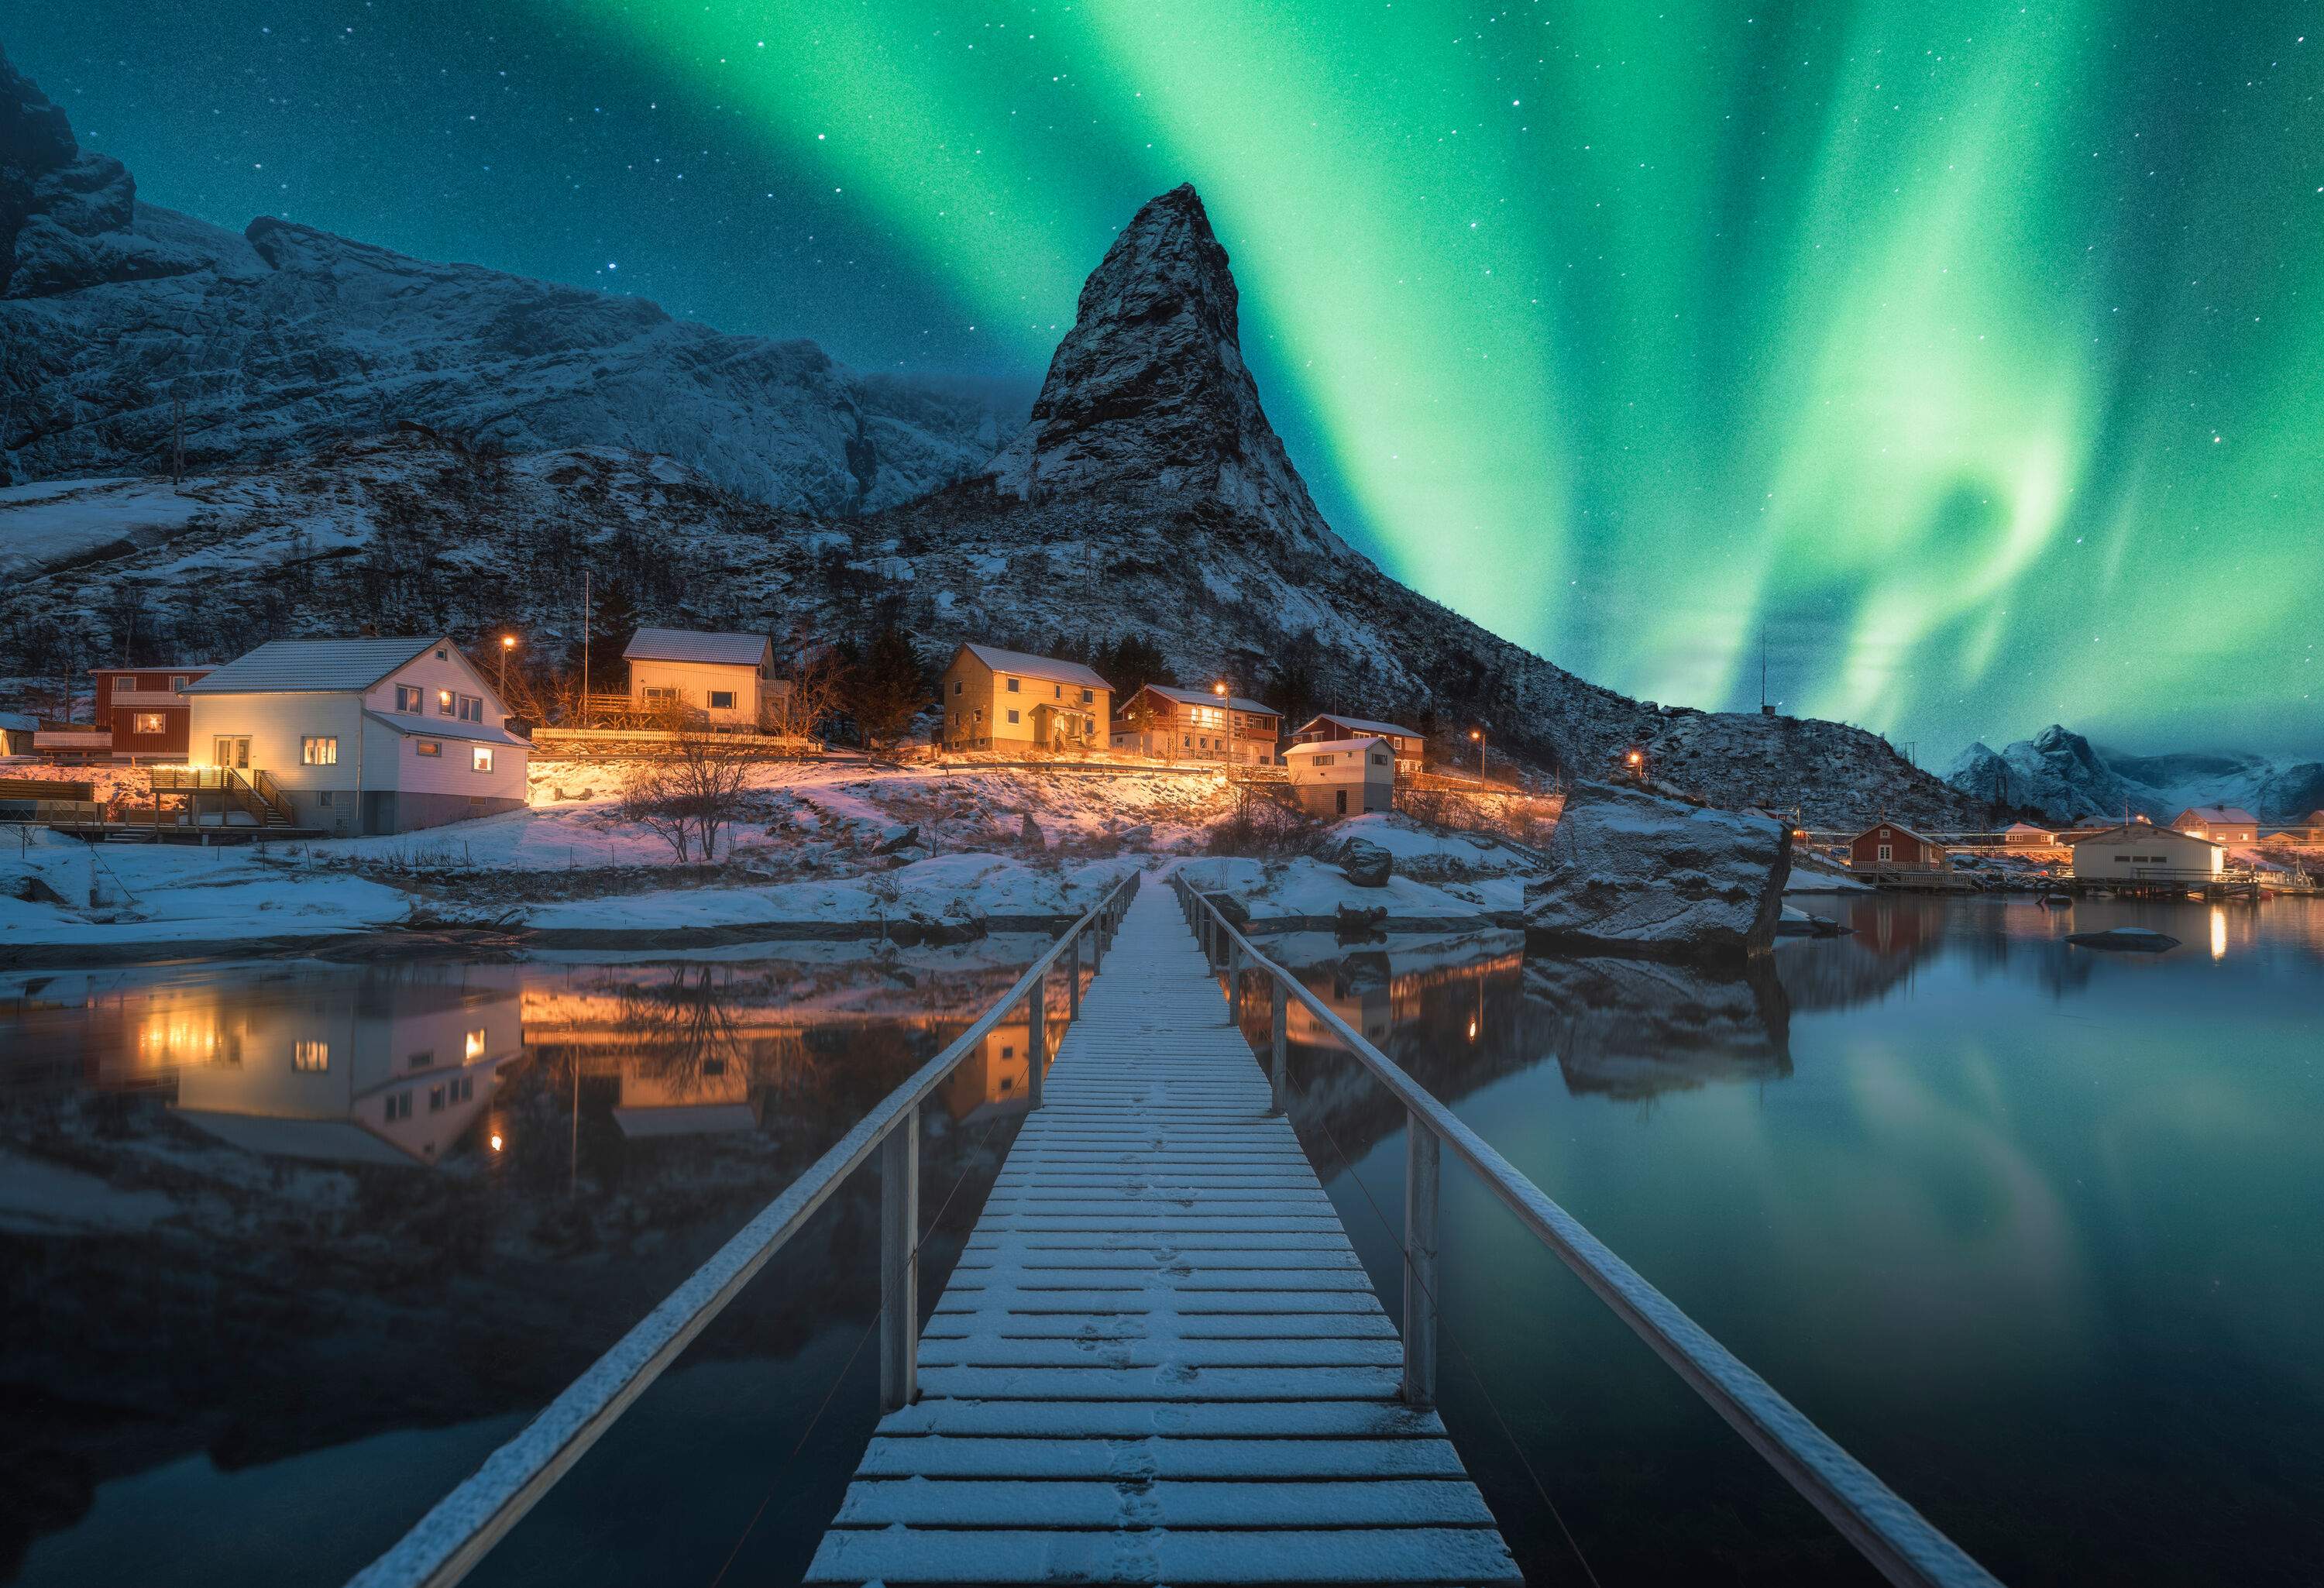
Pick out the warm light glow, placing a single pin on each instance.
(443, 697)
(496, 1140)
(1477, 734)
(2218, 933)
(476, 1043)
(1635, 758)
(1472, 1031)
(508, 642)
(1220, 689)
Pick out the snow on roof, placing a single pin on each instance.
(445, 728)
(2145, 832)
(2235, 815)
(313, 666)
(1897, 827)
(17, 721)
(689, 645)
(1361, 725)
(1331, 746)
(1035, 667)
(2025, 828)
(1204, 698)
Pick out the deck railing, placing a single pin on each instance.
(1898, 1540)
(447, 1542)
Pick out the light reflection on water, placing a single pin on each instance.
(2034, 1230)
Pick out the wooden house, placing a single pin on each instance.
(1406, 745)
(16, 731)
(996, 699)
(351, 737)
(2142, 851)
(1342, 777)
(2226, 824)
(1171, 724)
(2026, 836)
(146, 709)
(722, 682)
(1892, 847)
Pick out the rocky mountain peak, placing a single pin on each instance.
(1149, 389)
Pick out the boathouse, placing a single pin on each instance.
(2228, 824)
(1342, 777)
(1892, 847)
(1195, 724)
(2142, 851)
(1403, 743)
(996, 699)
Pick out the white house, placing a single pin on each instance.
(2142, 851)
(1404, 744)
(356, 736)
(1342, 777)
(727, 679)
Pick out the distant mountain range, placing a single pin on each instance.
(2064, 777)
(380, 443)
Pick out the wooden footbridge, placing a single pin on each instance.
(1158, 1359)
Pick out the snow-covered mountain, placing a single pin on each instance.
(2065, 777)
(281, 338)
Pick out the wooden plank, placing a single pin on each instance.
(1120, 1556)
(944, 1455)
(944, 1502)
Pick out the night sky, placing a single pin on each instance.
(1968, 357)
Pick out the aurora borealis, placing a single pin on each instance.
(1966, 355)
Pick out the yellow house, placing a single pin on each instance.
(996, 699)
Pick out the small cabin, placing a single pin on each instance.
(2142, 851)
(1342, 777)
(1892, 847)
(16, 731)
(722, 681)
(1404, 744)
(2226, 824)
(1195, 724)
(2026, 836)
(996, 699)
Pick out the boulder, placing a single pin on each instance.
(1631, 872)
(1364, 862)
(901, 837)
(1352, 921)
(1237, 913)
(1028, 832)
(1137, 837)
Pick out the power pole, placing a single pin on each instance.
(177, 439)
(581, 717)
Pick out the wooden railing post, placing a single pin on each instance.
(900, 1263)
(1074, 981)
(1037, 1041)
(1422, 1154)
(1278, 1075)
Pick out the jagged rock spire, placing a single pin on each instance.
(1149, 389)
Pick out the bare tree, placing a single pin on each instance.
(687, 795)
(817, 676)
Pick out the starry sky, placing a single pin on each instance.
(1963, 360)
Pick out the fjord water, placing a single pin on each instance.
(2032, 1229)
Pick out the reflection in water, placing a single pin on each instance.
(1633, 1028)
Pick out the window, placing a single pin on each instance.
(310, 1054)
(1012, 686)
(1012, 714)
(444, 703)
(427, 747)
(1887, 852)
(1324, 760)
(1088, 698)
(439, 654)
(956, 686)
(425, 1059)
(483, 762)
(472, 709)
(435, 1100)
(148, 722)
(2125, 860)
(323, 797)
(407, 699)
(1379, 760)
(1209, 716)
(1187, 741)
(179, 683)
(399, 1106)
(318, 752)
(977, 715)
(660, 694)
(1057, 691)
(722, 700)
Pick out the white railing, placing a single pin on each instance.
(444, 1545)
(1889, 1533)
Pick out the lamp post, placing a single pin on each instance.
(1637, 760)
(1477, 734)
(1226, 720)
(508, 643)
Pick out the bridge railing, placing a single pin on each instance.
(1895, 1538)
(445, 1544)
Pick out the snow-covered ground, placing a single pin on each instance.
(1437, 877)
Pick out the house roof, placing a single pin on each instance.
(313, 666)
(1896, 827)
(2143, 832)
(2018, 827)
(1037, 667)
(167, 667)
(1361, 725)
(17, 721)
(433, 728)
(687, 645)
(1331, 746)
(2234, 815)
(1204, 698)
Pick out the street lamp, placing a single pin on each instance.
(1638, 759)
(508, 643)
(1478, 736)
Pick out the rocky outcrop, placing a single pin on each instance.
(1631, 872)
(284, 338)
(1363, 863)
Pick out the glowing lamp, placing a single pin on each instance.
(508, 642)
(496, 1140)
(1633, 758)
(1220, 689)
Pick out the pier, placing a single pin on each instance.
(1158, 1358)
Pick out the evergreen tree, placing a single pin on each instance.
(887, 689)
(1132, 662)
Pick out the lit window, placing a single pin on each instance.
(148, 722)
(309, 1055)
(722, 700)
(428, 746)
(318, 752)
(444, 702)
(483, 763)
(407, 699)
(1209, 716)
(474, 1046)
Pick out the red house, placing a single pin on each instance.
(1892, 847)
(146, 709)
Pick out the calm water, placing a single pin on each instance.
(2037, 1233)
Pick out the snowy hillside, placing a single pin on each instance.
(281, 338)
(2064, 776)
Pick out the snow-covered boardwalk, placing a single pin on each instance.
(1159, 1360)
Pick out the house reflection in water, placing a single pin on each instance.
(996, 1079)
(369, 1071)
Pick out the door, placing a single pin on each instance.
(232, 750)
(1340, 797)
